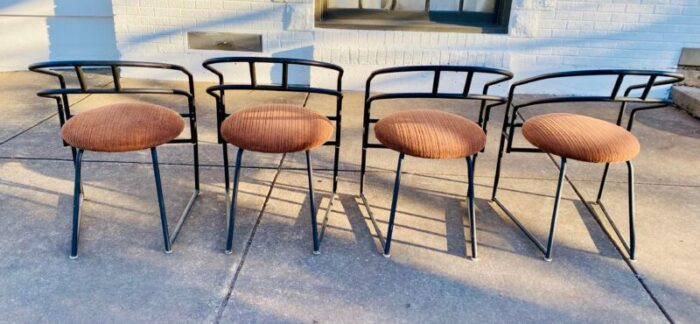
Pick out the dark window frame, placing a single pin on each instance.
(426, 20)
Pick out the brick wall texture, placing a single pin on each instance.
(543, 36)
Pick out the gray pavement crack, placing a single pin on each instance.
(232, 285)
(620, 250)
(227, 298)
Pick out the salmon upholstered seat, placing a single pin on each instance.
(430, 134)
(581, 138)
(122, 127)
(277, 128)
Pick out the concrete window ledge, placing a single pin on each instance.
(688, 99)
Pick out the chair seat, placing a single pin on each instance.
(430, 134)
(581, 138)
(277, 128)
(122, 127)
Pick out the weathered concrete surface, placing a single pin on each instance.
(428, 278)
(122, 274)
(687, 98)
(21, 108)
(667, 196)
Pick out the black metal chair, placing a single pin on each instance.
(276, 128)
(587, 139)
(121, 127)
(412, 132)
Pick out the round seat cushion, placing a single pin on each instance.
(581, 138)
(122, 127)
(430, 134)
(277, 128)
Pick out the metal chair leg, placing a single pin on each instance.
(394, 201)
(234, 196)
(226, 172)
(472, 216)
(497, 176)
(227, 179)
(312, 204)
(195, 155)
(74, 151)
(602, 183)
(630, 193)
(77, 192)
(161, 202)
(336, 161)
(557, 198)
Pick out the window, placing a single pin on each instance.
(479, 16)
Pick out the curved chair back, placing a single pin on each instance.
(494, 76)
(219, 91)
(654, 79)
(636, 93)
(61, 94)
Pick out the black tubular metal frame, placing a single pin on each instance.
(219, 91)
(61, 95)
(510, 123)
(487, 103)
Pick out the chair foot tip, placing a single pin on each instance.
(73, 257)
(168, 251)
(474, 259)
(228, 252)
(548, 259)
(386, 255)
(316, 252)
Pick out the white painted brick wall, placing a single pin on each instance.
(544, 35)
(39, 30)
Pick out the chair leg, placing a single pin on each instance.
(602, 183)
(557, 198)
(312, 204)
(497, 177)
(227, 178)
(234, 196)
(74, 151)
(336, 161)
(77, 191)
(195, 155)
(472, 216)
(161, 202)
(392, 213)
(630, 193)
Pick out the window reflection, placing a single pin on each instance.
(488, 6)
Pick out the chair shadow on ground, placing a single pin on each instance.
(344, 244)
(455, 228)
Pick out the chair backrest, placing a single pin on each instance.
(219, 91)
(654, 79)
(80, 68)
(494, 76)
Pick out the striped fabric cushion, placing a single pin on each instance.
(581, 138)
(122, 127)
(277, 128)
(430, 134)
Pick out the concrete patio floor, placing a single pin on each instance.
(122, 274)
